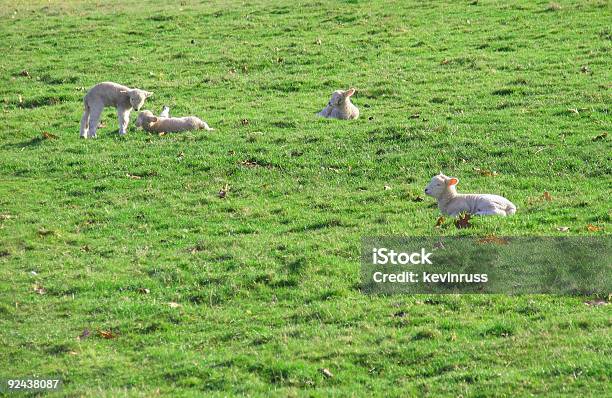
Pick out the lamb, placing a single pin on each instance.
(110, 94)
(340, 106)
(165, 123)
(450, 202)
(165, 111)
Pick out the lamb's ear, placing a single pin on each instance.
(452, 181)
(350, 92)
(148, 94)
(154, 119)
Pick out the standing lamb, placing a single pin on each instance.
(166, 124)
(450, 202)
(110, 94)
(340, 106)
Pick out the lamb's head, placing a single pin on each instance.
(145, 118)
(137, 97)
(341, 97)
(440, 184)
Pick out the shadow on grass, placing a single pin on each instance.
(36, 141)
(33, 142)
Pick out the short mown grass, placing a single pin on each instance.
(256, 292)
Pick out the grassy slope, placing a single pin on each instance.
(267, 278)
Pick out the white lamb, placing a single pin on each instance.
(165, 111)
(166, 124)
(450, 202)
(110, 94)
(340, 106)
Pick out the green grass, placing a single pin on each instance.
(267, 279)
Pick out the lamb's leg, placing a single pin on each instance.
(124, 119)
(204, 126)
(94, 118)
(494, 211)
(85, 123)
(165, 112)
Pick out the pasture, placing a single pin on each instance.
(226, 263)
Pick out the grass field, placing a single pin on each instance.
(176, 291)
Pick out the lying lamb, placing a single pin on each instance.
(110, 94)
(452, 203)
(166, 124)
(340, 106)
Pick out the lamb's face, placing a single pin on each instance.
(340, 97)
(144, 118)
(138, 97)
(438, 185)
(337, 98)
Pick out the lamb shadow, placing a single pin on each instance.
(33, 142)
